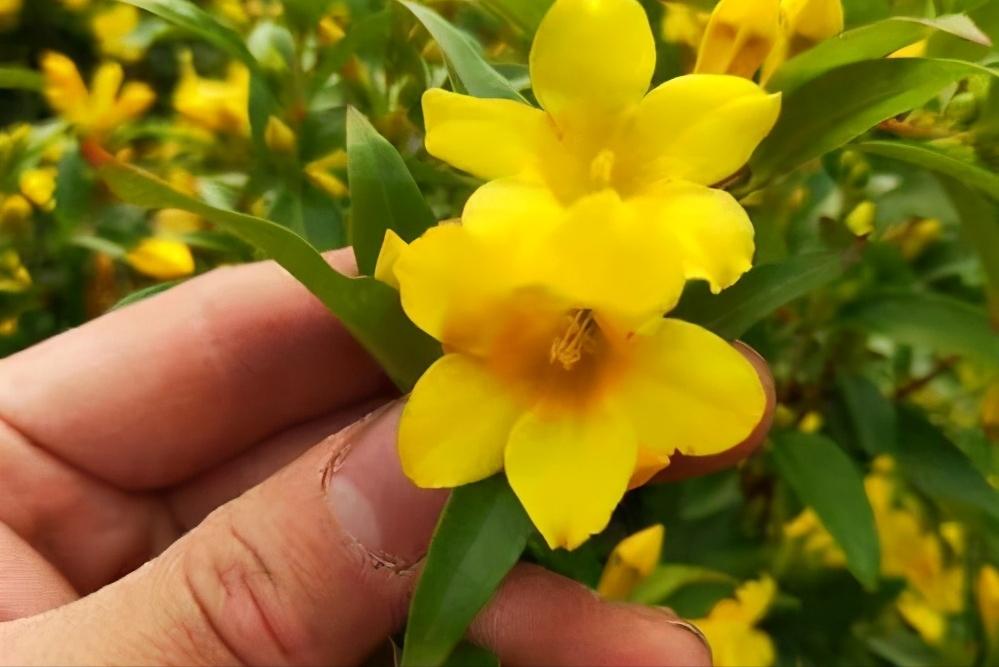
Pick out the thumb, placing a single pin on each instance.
(313, 566)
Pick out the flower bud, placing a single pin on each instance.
(860, 220)
(739, 36)
(163, 259)
(279, 137)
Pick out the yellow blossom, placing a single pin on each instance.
(683, 24)
(591, 64)
(804, 23)
(730, 627)
(75, 5)
(329, 31)
(8, 326)
(99, 110)
(318, 173)
(861, 219)
(14, 211)
(214, 104)
(560, 367)
(176, 221)
(631, 561)
(14, 276)
(9, 12)
(113, 27)
(279, 137)
(987, 594)
(811, 422)
(739, 37)
(39, 185)
(161, 258)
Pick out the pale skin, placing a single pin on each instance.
(186, 481)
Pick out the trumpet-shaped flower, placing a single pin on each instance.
(559, 367)
(730, 627)
(105, 106)
(632, 560)
(114, 29)
(214, 104)
(591, 65)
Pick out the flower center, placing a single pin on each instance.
(578, 338)
(602, 168)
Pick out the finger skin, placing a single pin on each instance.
(684, 467)
(29, 584)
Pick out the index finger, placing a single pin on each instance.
(148, 395)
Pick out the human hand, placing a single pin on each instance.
(170, 493)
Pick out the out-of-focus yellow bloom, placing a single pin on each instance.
(804, 23)
(161, 258)
(730, 627)
(811, 422)
(329, 31)
(631, 561)
(233, 10)
(861, 219)
(987, 594)
(112, 27)
(683, 24)
(39, 185)
(14, 276)
(914, 50)
(170, 221)
(279, 137)
(75, 5)
(105, 106)
(560, 365)
(318, 173)
(9, 12)
(599, 129)
(913, 238)
(816, 541)
(15, 210)
(214, 104)
(739, 36)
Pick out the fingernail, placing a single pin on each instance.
(373, 500)
(673, 619)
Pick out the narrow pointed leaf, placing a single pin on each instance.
(20, 78)
(370, 310)
(922, 155)
(383, 194)
(479, 538)
(470, 73)
(825, 479)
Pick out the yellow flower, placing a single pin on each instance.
(591, 64)
(39, 185)
(631, 561)
(279, 137)
(214, 104)
(75, 5)
(804, 23)
(682, 24)
(112, 28)
(329, 31)
(9, 11)
(14, 211)
(14, 276)
(176, 221)
(318, 173)
(739, 37)
(161, 258)
(559, 364)
(987, 593)
(861, 219)
(730, 627)
(98, 111)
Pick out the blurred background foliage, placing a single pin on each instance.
(868, 527)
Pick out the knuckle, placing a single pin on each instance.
(244, 607)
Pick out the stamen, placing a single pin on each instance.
(577, 339)
(602, 168)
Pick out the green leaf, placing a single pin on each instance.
(480, 536)
(868, 42)
(871, 415)
(923, 155)
(145, 293)
(980, 221)
(191, 18)
(928, 320)
(759, 293)
(370, 310)
(470, 655)
(383, 194)
(865, 94)
(524, 15)
(666, 580)
(469, 71)
(825, 479)
(20, 78)
(933, 464)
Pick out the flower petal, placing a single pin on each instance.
(449, 282)
(488, 138)
(691, 391)
(606, 256)
(511, 207)
(739, 36)
(455, 425)
(570, 470)
(591, 58)
(710, 230)
(700, 128)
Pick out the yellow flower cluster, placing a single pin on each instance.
(730, 626)
(549, 296)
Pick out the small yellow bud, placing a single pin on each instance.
(14, 211)
(914, 50)
(811, 422)
(632, 560)
(329, 31)
(39, 185)
(176, 221)
(809, 22)
(8, 326)
(861, 219)
(987, 592)
(739, 36)
(279, 137)
(163, 259)
(318, 173)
